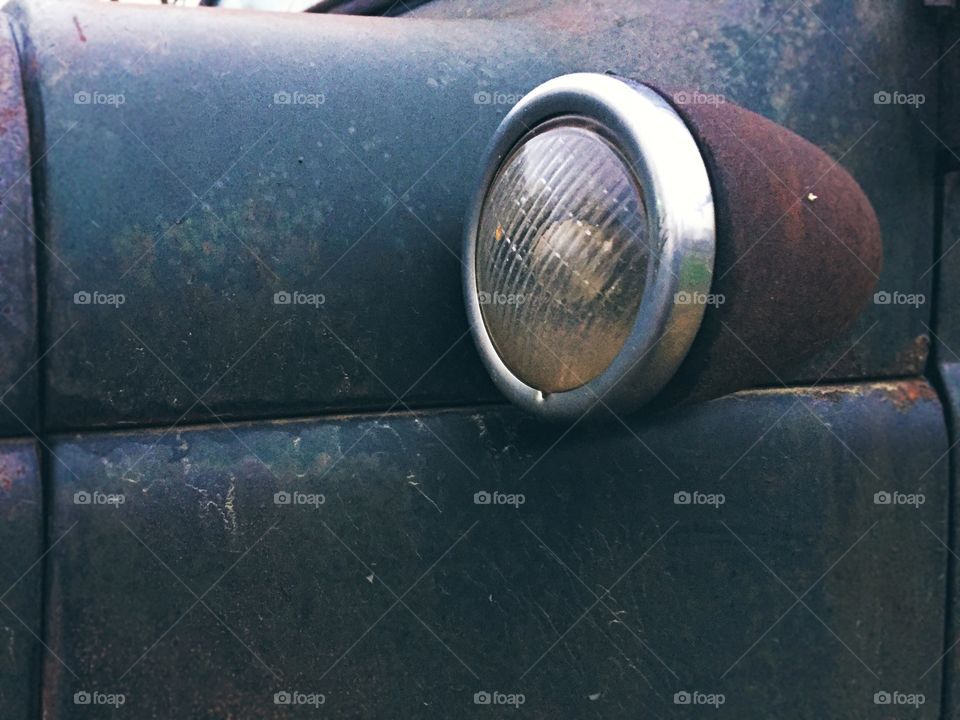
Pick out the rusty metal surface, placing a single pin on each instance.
(798, 252)
(814, 67)
(21, 579)
(400, 596)
(18, 291)
(200, 597)
(227, 199)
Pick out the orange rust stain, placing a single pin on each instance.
(904, 395)
(10, 471)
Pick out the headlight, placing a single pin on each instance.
(562, 255)
(594, 222)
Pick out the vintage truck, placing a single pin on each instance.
(479, 358)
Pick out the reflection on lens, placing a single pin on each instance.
(561, 260)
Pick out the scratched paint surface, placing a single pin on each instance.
(300, 594)
(18, 276)
(230, 197)
(21, 577)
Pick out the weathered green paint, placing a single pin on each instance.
(21, 580)
(199, 139)
(399, 493)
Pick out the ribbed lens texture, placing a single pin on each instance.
(561, 258)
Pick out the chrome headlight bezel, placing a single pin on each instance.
(672, 175)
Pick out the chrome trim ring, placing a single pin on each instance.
(672, 175)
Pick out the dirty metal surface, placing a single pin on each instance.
(948, 67)
(950, 379)
(18, 288)
(597, 596)
(21, 577)
(814, 67)
(946, 348)
(816, 272)
(948, 272)
(199, 200)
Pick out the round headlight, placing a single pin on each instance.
(588, 246)
(561, 255)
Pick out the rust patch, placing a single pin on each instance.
(11, 470)
(798, 252)
(904, 395)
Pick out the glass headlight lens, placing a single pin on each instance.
(591, 229)
(561, 256)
